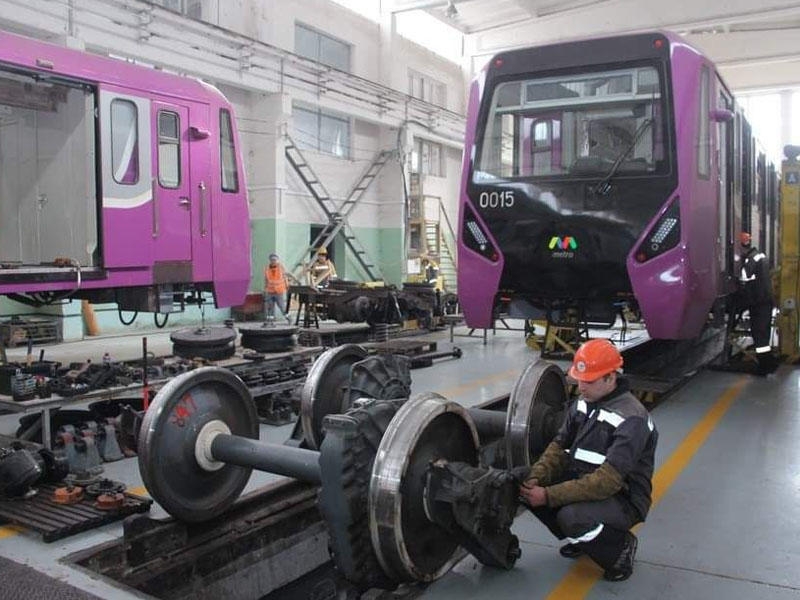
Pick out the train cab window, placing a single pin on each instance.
(124, 142)
(227, 149)
(169, 149)
(575, 125)
(544, 147)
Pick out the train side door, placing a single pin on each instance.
(172, 228)
(724, 155)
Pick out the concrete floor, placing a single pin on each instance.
(724, 525)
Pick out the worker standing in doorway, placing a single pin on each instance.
(322, 269)
(755, 296)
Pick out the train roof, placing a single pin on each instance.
(92, 68)
(671, 37)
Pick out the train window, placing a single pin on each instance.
(169, 149)
(576, 124)
(703, 130)
(227, 150)
(124, 142)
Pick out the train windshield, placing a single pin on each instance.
(577, 125)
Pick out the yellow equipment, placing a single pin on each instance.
(789, 282)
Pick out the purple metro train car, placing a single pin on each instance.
(117, 182)
(608, 172)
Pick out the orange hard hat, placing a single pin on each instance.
(744, 238)
(594, 359)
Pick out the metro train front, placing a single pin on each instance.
(591, 181)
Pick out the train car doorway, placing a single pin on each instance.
(172, 189)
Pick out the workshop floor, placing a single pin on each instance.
(725, 521)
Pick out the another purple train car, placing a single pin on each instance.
(117, 182)
(605, 172)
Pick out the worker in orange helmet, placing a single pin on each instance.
(594, 481)
(755, 296)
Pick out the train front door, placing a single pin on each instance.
(172, 226)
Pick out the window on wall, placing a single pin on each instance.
(322, 48)
(169, 149)
(428, 158)
(190, 8)
(124, 142)
(704, 141)
(227, 150)
(322, 131)
(426, 88)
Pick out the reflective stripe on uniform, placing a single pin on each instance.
(581, 406)
(762, 349)
(650, 424)
(744, 278)
(588, 456)
(611, 418)
(588, 536)
(759, 256)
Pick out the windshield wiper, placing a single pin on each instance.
(604, 185)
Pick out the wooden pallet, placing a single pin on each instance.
(37, 330)
(55, 521)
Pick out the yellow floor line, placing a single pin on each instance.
(10, 530)
(582, 576)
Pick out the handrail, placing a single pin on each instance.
(453, 254)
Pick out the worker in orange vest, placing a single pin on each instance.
(276, 284)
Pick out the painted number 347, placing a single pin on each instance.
(503, 199)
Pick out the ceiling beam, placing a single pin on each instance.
(622, 16)
(398, 6)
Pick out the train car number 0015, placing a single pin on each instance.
(496, 199)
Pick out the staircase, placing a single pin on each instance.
(436, 243)
(337, 214)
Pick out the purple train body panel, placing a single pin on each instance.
(119, 181)
(592, 179)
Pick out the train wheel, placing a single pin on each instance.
(182, 410)
(535, 412)
(427, 428)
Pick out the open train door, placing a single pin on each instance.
(172, 187)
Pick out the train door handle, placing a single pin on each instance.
(202, 187)
(184, 201)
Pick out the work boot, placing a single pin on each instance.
(623, 567)
(767, 363)
(570, 551)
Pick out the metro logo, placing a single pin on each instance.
(567, 242)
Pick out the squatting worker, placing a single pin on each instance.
(593, 482)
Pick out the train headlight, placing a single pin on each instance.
(475, 238)
(665, 234)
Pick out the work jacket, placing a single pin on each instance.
(754, 279)
(275, 279)
(603, 448)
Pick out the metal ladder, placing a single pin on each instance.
(337, 215)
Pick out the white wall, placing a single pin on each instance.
(250, 75)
